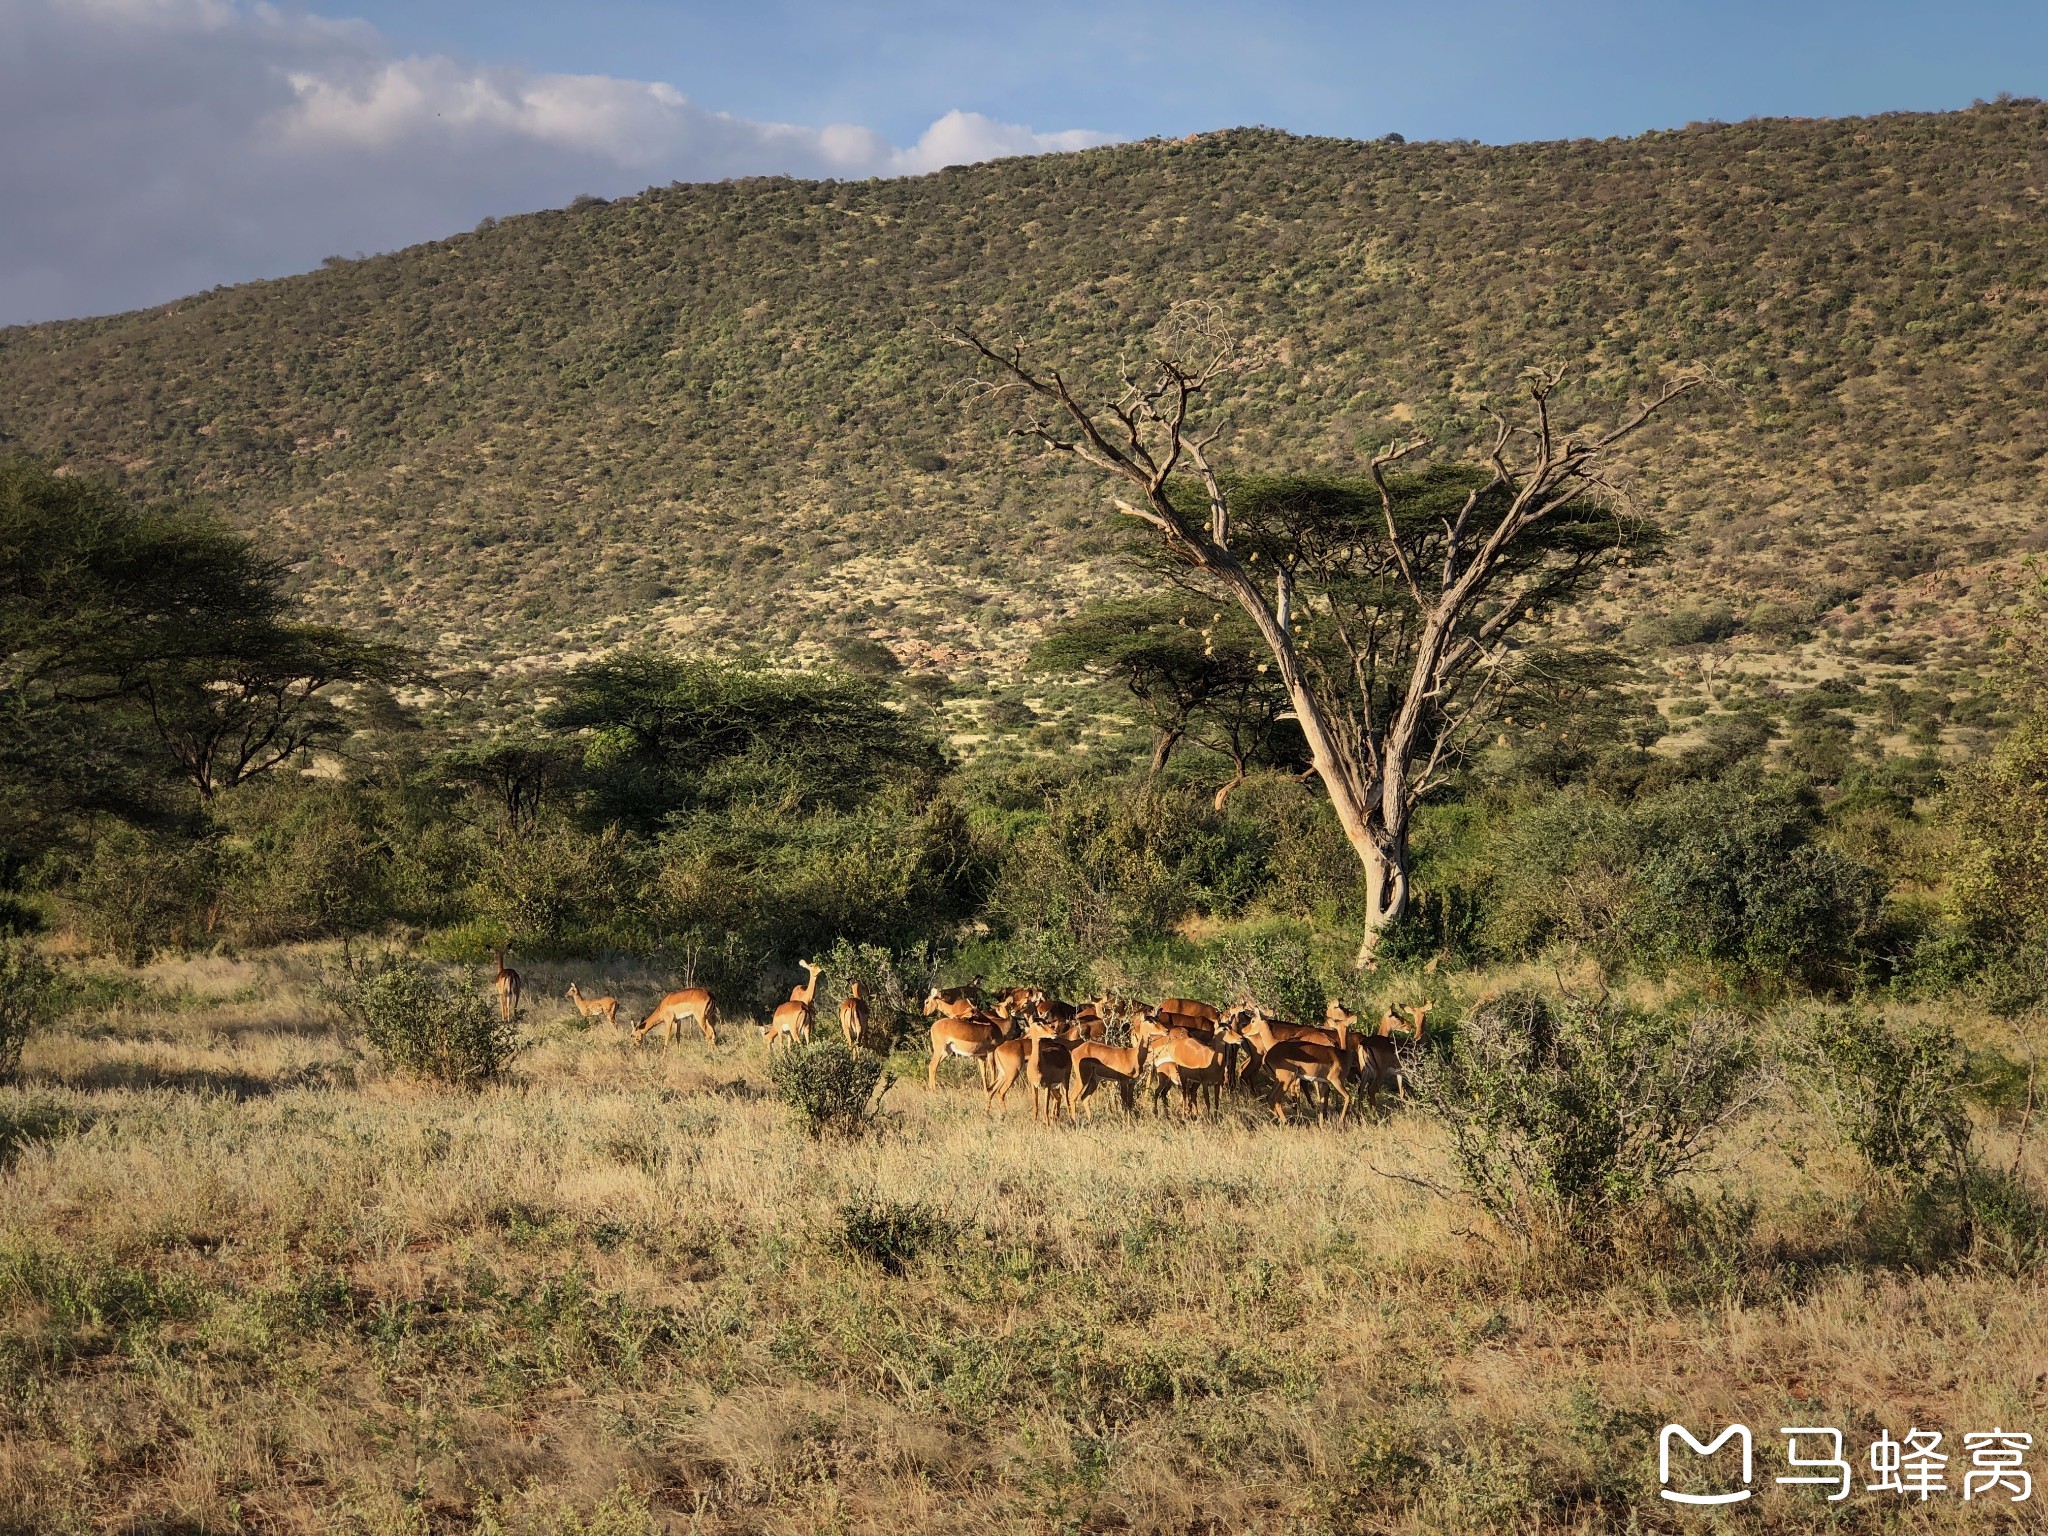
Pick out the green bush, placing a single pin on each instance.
(1895, 1092)
(421, 1024)
(1896, 1095)
(1733, 878)
(139, 891)
(306, 863)
(1568, 1116)
(1566, 874)
(29, 996)
(894, 986)
(1273, 967)
(831, 1089)
(891, 1232)
(1102, 867)
(886, 873)
(555, 887)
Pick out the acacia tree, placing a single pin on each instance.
(1194, 671)
(118, 622)
(1391, 617)
(235, 716)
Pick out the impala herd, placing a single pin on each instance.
(1067, 1053)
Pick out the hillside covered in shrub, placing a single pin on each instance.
(726, 411)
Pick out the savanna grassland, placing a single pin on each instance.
(644, 591)
(249, 1282)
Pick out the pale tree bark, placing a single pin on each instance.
(1375, 766)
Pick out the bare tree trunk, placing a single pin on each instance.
(1163, 743)
(1236, 778)
(1378, 833)
(1386, 898)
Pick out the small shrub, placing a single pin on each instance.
(891, 1232)
(1570, 1115)
(1274, 968)
(894, 986)
(29, 996)
(1895, 1092)
(831, 1089)
(419, 1024)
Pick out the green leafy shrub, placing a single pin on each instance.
(884, 873)
(1732, 877)
(554, 887)
(29, 996)
(1568, 1115)
(140, 891)
(1271, 966)
(894, 986)
(891, 1232)
(307, 863)
(1895, 1092)
(1896, 1095)
(1566, 874)
(1103, 866)
(831, 1090)
(421, 1024)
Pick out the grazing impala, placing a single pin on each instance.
(1294, 1064)
(692, 1003)
(853, 1015)
(509, 988)
(606, 1008)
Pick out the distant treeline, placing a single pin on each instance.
(726, 819)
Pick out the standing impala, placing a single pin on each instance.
(975, 1039)
(508, 985)
(1380, 1056)
(606, 1008)
(792, 1020)
(853, 1015)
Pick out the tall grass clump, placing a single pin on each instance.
(1567, 1115)
(421, 1024)
(831, 1090)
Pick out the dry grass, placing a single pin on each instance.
(247, 1283)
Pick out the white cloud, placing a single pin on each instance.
(150, 148)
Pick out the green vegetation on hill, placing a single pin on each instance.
(722, 410)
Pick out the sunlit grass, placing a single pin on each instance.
(248, 1282)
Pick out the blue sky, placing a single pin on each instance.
(1488, 69)
(165, 146)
